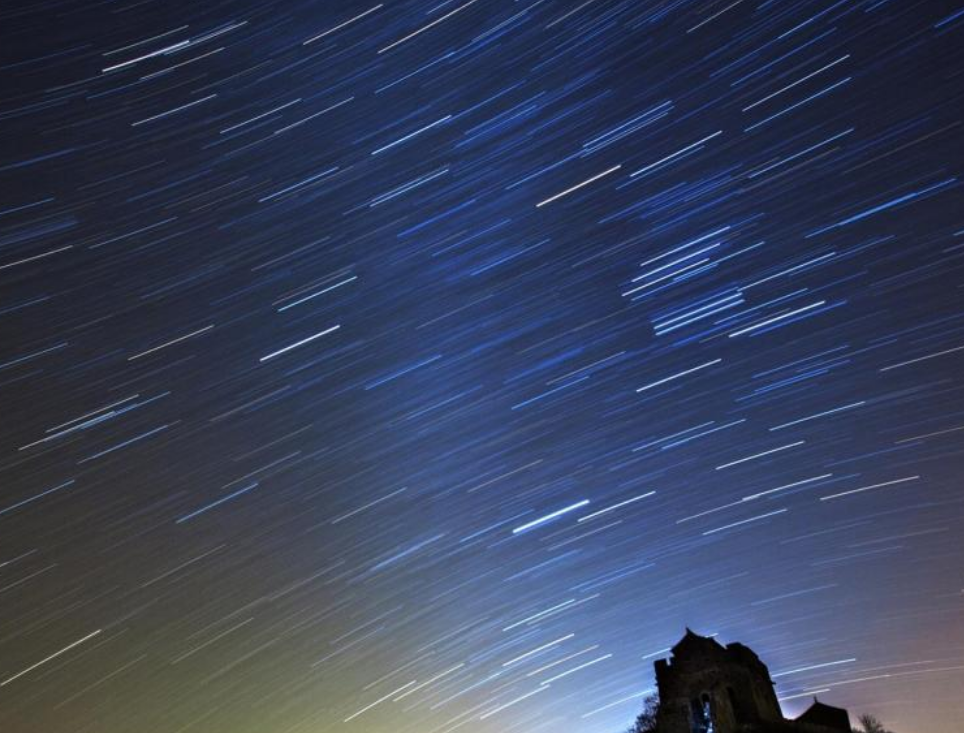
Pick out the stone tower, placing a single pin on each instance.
(708, 688)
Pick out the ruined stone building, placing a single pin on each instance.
(709, 688)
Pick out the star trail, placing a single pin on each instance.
(422, 367)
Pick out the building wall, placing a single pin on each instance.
(737, 687)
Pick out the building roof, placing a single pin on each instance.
(692, 642)
(826, 716)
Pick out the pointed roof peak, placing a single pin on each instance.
(693, 640)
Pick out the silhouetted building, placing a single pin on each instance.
(708, 688)
(825, 716)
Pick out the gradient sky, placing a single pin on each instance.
(414, 367)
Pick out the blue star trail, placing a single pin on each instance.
(422, 367)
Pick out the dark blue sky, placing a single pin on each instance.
(419, 367)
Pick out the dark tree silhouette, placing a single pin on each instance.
(870, 724)
(646, 720)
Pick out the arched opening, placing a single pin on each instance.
(702, 714)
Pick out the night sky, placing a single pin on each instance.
(414, 367)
